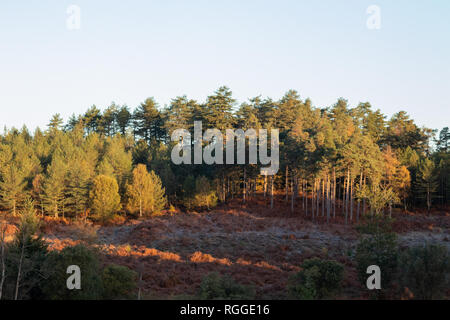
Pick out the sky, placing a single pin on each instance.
(126, 51)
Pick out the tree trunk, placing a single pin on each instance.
(245, 185)
(318, 199)
(292, 196)
(313, 202)
(359, 200)
(271, 192)
(265, 186)
(351, 198)
(347, 196)
(2, 256)
(323, 197)
(287, 183)
(334, 193)
(19, 271)
(364, 199)
(328, 198)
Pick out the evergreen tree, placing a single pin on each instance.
(12, 186)
(427, 181)
(54, 186)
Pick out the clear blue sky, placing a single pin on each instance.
(127, 51)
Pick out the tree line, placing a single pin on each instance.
(334, 161)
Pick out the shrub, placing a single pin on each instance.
(118, 282)
(318, 279)
(378, 249)
(55, 287)
(377, 224)
(216, 287)
(425, 271)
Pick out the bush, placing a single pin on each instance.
(55, 287)
(379, 249)
(377, 224)
(425, 271)
(118, 282)
(216, 287)
(319, 279)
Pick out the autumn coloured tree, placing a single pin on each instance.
(105, 198)
(145, 193)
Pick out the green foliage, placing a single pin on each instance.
(378, 197)
(119, 282)
(54, 185)
(380, 249)
(105, 198)
(425, 271)
(427, 182)
(25, 258)
(54, 288)
(318, 279)
(377, 224)
(216, 287)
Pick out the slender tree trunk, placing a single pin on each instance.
(287, 183)
(292, 195)
(19, 271)
(328, 198)
(351, 199)
(305, 195)
(359, 200)
(318, 198)
(347, 196)
(323, 197)
(140, 285)
(271, 192)
(313, 199)
(2, 256)
(245, 185)
(364, 199)
(334, 193)
(265, 186)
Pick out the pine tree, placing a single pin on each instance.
(145, 193)
(123, 118)
(148, 121)
(427, 180)
(104, 197)
(78, 180)
(12, 187)
(54, 186)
